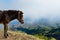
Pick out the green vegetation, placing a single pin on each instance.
(44, 37)
(45, 32)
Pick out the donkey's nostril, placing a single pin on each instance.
(22, 22)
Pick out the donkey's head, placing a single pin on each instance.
(20, 17)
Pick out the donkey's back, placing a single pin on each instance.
(1, 14)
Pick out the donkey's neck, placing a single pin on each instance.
(13, 16)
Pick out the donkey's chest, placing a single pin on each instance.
(1, 22)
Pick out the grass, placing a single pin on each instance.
(22, 35)
(44, 37)
(17, 35)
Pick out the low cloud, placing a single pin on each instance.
(34, 9)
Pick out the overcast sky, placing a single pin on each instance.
(34, 9)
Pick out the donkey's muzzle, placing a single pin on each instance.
(22, 21)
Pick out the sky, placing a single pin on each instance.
(34, 9)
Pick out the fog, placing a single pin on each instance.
(34, 9)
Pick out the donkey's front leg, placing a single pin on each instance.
(5, 30)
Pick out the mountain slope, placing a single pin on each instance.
(13, 35)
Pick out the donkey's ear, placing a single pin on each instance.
(21, 12)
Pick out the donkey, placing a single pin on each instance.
(8, 15)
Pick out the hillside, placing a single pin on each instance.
(40, 31)
(14, 35)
